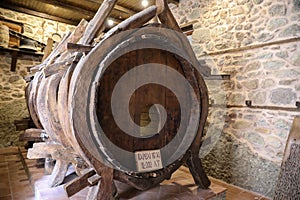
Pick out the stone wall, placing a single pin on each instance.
(256, 42)
(12, 99)
(12, 96)
(35, 27)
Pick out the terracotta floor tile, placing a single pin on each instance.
(12, 158)
(4, 178)
(6, 198)
(180, 187)
(24, 196)
(3, 165)
(22, 190)
(246, 196)
(12, 163)
(9, 150)
(5, 191)
(21, 177)
(2, 158)
(3, 171)
(17, 184)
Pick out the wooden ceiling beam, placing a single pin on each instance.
(8, 5)
(124, 9)
(88, 13)
(176, 2)
(56, 3)
(37, 14)
(117, 7)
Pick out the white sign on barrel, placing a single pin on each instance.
(147, 161)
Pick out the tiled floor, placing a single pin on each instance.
(15, 183)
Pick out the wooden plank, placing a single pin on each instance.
(75, 9)
(135, 21)
(53, 55)
(13, 64)
(59, 172)
(57, 67)
(49, 165)
(31, 99)
(57, 151)
(97, 23)
(42, 150)
(48, 48)
(117, 7)
(8, 5)
(79, 183)
(24, 124)
(165, 15)
(94, 179)
(65, 58)
(32, 134)
(79, 48)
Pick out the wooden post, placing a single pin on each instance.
(59, 172)
(97, 23)
(165, 15)
(48, 48)
(49, 165)
(79, 183)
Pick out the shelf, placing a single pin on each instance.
(15, 52)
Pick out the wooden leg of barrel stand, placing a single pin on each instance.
(59, 173)
(105, 189)
(196, 169)
(95, 194)
(49, 165)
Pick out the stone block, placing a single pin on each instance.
(242, 124)
(251, 85)
(238, 10)
(201, 35)
(292, 30)
(296, 5)
(255, 139)
(295, 59)
(257, 1)
(274, 142)
(276, 23)
(273, 65)
(283, 96)
(277, 10)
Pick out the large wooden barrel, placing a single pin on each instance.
(135, 103)
(134, 107)
(176, 86)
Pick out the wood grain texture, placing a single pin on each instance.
(97, 23)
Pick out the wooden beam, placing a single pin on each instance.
(13, 64)
(75, 9)
(79, 183)
(176, 2)
(7, 4)
(125, 10)
(117, 7)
